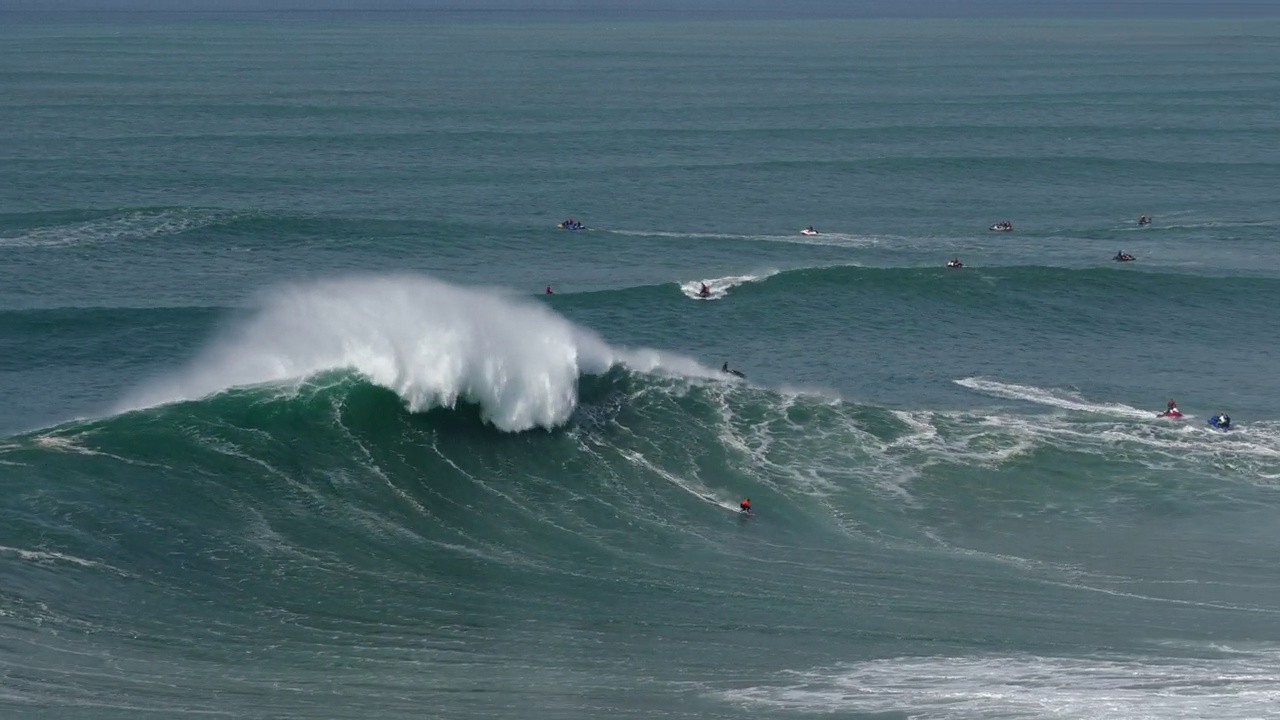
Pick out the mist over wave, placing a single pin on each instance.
(430, 342)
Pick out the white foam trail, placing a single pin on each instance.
(1251, 451)
(430, 342)
(1052, 398)
(720, 287)
(1244, 684)
(828, 239)
(47, 556)
(844, 240)
(136, 225)
(696, 490)
(51, 557)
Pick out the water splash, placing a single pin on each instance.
(720, 287)
(430, 342)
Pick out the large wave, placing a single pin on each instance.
(432, 343)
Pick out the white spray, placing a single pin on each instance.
(430, 342)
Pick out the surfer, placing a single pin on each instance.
(705, 291)
(744, 507)
(725, 369)
(549, 290)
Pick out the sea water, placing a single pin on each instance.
(292, 429)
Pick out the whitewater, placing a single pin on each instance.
(431, 343)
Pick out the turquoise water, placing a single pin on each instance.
(292, 431)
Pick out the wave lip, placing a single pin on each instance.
(430, 342)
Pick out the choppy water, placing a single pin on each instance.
(291, 429)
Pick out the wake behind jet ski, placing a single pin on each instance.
(1123, 256)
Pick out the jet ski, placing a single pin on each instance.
(1002, 227)
(809, 231)
(1171, 413)
(571, 224)
(1124, 257)
(954, 263)
(1144, 220)
(1222, 421)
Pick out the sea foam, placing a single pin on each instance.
(432, 343)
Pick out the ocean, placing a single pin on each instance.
(292, 428)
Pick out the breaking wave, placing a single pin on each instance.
(430, 342)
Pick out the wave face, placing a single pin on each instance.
(269, 527)
(415, 487)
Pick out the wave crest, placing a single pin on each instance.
(430, 342)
